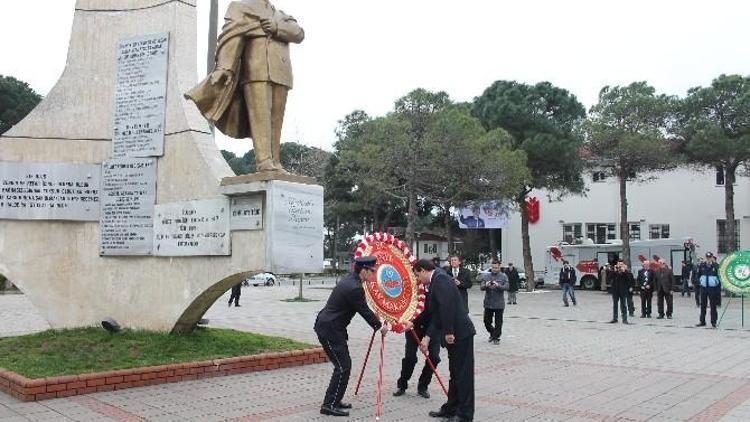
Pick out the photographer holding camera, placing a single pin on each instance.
(494, 284)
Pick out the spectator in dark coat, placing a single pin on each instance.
(622, 285)
(514, 281)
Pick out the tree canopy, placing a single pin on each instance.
(17, 99)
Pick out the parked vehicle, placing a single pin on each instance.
(587, 258)
(261, 279)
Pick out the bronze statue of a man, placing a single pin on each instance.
(245, 95)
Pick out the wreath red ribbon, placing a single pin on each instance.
(395, 296)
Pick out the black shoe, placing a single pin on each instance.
(643, 316)
(575, 304)
(343, 405)
(614, 321)
(713, 324)
(332, 411)
(669, 316)
(625, 322)
(230, 304)
(456, 419)
(632, 314)
(660, 317)
(702, 324)
(237, 305)
(399, 392)
(424, 393)
(565, 304)
(439, 414)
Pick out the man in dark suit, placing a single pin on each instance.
(409, 361)
(664, 282)
(346, 299)
(450, 324)
(461, 278)
(646, 286)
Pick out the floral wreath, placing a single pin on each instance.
(397, 247)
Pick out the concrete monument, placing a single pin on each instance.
(245, 95)
(115, 201)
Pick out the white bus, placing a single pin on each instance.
(587, 258)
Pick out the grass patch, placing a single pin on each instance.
(86, 350)
(298, 299)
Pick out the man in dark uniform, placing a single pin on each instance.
(461, 277)
(710, 290)
(450, 324)
(410, 354)
(347, 298)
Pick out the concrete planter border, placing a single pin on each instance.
(27, 389)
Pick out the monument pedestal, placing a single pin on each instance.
(58, 263)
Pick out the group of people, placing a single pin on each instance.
(653, 277)
(444, 322)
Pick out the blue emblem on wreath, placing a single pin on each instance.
(390, 281)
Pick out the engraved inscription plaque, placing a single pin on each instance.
(128, 198)
(247, 213)
(296, 228)
(48, 191)
(140, 96)
(192, 228)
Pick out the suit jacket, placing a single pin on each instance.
(621, 283)
(244, 49)
(464, 278)
(448, 314)
(646, 278)
(346, 299)
(664, 280)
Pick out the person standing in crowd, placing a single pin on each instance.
(450, 324)
(664, 281)
(696, 282)
(646, 286)
(631, 290)
(461, 278)
(622, 284)
(409, 361)
(605, 273)
(567, 280)
(514, 281)
(710, 289)
(685, 278)
(235, 295)
(494, 285)
(346, 299)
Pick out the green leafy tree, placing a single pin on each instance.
(17, 99)
(714, 125)
(541, 120)
(626, 136)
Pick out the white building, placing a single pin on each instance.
(679, 203)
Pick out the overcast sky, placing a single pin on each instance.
(364, 54)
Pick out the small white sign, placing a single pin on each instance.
(192, 228)
(247, 213)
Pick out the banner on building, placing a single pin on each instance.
(490, 214)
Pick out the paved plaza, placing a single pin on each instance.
(553, 363)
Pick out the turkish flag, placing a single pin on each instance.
(532, 208)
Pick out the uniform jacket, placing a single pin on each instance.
(346, 299)
(448, 313)
(244, 49)
(709, 275)
(664, 279)
(494, 295)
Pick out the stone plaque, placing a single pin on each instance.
(192, 228)
(47, 191)
(140, 96)
(247, 213)
(128, 198)
(297, 228)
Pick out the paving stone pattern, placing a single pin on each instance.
(553, 364)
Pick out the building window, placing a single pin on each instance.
(719, 176)
(599, 176)
(658, 231)
(601, 232)
(635, 231)
(572, 232)
(723, 238)
(426, 248)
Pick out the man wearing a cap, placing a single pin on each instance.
(710, 288)
(347, 298)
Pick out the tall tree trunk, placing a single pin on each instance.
(528, 265)
(411, 218)
(448, 228)
(729, 179)
(624, 226)
(335, 259)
